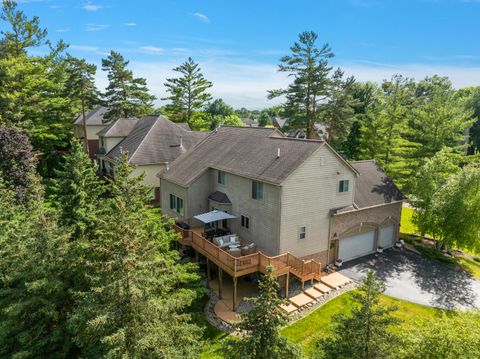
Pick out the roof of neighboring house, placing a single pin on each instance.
(373, 187)
(245, 151)
(94, 117)
(249, 122)
(279, 122)
(156, 140)
(219, 197)
(119, 128)
(183, 125)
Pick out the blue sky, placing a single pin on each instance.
(238, 43)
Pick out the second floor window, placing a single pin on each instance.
(257, 190)
(176, 204)
(343, 186)
(221, 177)
(302, 232)
(245, 222)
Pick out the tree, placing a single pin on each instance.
(188, 93)
(81, 88)
(261, 325)
(139, 289)
(219, 108)
(473, 104)
(125, 95)
(338, 113)
(456, 210)
(365, 333)
(35, 296)
(308, 64)
(266, 115)
(448, 336)
(18, 164)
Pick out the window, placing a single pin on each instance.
(257, 190)
(245, 222)
(302, 233)
(343, 186)
(176, 204)
(221, 177)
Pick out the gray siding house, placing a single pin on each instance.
(288, 195)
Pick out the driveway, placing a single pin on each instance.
(412, 277)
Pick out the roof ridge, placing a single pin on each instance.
(312, 140)
(144, 137)
(360, 161)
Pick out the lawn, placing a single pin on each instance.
(406, 224)
(308, 330)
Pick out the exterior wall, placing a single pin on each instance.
(167, 188)
(93, 146)
(198, 197)
(308, 195)
(91, 131)
(365, 219)
(150, 171)
(264, 214)
(110, 142)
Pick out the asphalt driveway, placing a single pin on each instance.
(412, 277)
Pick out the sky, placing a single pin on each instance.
(238, 43)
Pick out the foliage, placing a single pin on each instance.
(450, 336)
(139, 288)
(18, 164)
(261, 326)
(366, 331)
(265, 116)
(308, 64)
(188, 92)
(219, 108)
(125, 95)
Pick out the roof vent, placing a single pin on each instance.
(121, 149)
(181, 142)
(278, 152)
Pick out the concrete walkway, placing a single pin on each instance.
(415, 278)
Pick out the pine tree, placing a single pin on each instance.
(366, 332)
(188, 93)
(308, 64)
(81, 89)
(261, 326)
(125, 95)
(139, 289)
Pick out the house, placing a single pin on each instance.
(279, 122)
(151, 143)
(95, 122)
(288, 195)
(249, 122)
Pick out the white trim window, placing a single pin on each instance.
(343, 186)
(302, 232)
(257, 190)
(176, 204)
(221, 177)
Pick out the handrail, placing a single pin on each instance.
(253, 261)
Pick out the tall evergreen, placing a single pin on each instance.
(139, 288)
(308, 65)
(365, 333)
(188, 92)
(260, 327)
(125, 95)
(81, 88)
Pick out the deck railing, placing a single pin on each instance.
(256, 262)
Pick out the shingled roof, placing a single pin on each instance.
(94, 117)
(119, 128)
(156, 140)
(245, 151)
(373, 187)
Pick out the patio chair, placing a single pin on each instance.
(236, 252)
(249, 249)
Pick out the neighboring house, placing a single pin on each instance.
(288, 195)
(249, 122)
(151, 143)
(95, 122)
(321, 132)
(279, 122)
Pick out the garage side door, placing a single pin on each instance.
(356, 245)
(386, 236)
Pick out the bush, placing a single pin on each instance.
(434, 253)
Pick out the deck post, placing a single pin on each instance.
(234, 292)
(303, 284)
(286, 285)
(220, 272)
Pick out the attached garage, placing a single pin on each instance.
(387, 235)
(356, 245)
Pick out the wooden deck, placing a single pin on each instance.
(285, 263)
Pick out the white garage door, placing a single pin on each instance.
(386, 236)
(356, 246)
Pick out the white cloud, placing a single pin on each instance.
(96, 27)
(129, 24)
(152, 49)
(89, 6)
(201, 16)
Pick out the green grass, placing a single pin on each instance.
(308, 330)
(472, 266)
(406, 224)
